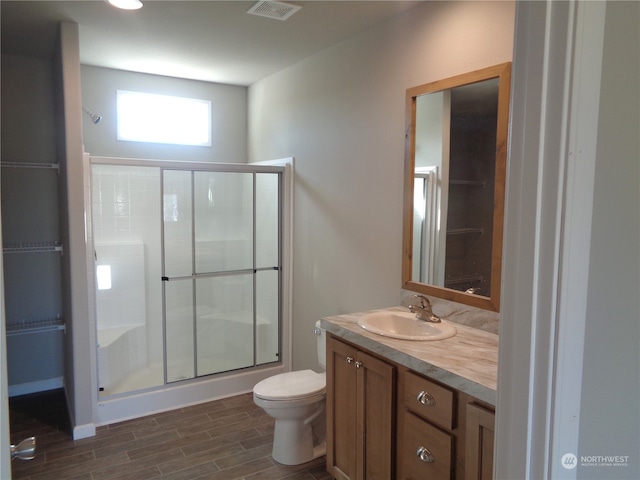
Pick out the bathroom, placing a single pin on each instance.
(337, 268)
(237, 106)
(240, 109)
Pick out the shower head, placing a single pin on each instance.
(95, 118)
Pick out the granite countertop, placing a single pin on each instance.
(467, 361)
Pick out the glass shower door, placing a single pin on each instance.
(178, 283)
(127, 252)
(221, 271)
(223, 262)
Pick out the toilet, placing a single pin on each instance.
(296, 400)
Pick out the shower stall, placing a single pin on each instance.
(188, 270)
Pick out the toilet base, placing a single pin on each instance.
(293, 443)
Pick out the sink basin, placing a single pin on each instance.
(405, 326)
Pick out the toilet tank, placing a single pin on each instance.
(321, 341)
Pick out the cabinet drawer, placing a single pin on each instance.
(429, 400)
(427, 452)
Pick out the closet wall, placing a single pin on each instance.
(30, 225)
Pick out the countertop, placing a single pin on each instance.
(467, 361)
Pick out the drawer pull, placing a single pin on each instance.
(358, 364)
(425, 455)
(425, 398)
(349, 360)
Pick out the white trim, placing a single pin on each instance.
(517, 424)
(287, 253)
(84, 431)
(179, 395)
(576, 237)
(279, 162)
(547, 234)
(187, 165)
(91, 297)
(430, 268)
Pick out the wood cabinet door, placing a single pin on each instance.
(375, 418)
(341, 410)
(479, 443)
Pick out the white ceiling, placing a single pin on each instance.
(214, 41)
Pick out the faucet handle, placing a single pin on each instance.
(424, 310)
(424, 301)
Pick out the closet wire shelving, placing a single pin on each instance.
(44, 324)
(54, 166)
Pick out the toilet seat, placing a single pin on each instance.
(291, 385)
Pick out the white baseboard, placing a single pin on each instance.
(84, 431)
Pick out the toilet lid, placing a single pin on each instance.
(290, 385)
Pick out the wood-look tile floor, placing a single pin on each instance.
(219, 440)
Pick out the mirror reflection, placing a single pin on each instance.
(455, 187)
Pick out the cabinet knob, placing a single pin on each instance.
(425, 455)
(358, 364)
(425, 398)
(349, 360)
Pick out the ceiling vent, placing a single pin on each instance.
(277, 10)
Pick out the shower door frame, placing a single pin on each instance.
(174, 395)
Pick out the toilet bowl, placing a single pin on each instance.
(296, 400)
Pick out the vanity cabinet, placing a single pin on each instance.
(360, 413)
(385, 421)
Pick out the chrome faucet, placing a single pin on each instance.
(424, 311)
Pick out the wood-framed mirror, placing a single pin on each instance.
(454, 187)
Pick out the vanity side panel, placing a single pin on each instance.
(479, 442)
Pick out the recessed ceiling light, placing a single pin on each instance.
(126, 4)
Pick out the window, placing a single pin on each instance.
(151, 118)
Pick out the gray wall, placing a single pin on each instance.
(610, 395)
(229, 116)
(341, 114)
(30, 202)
